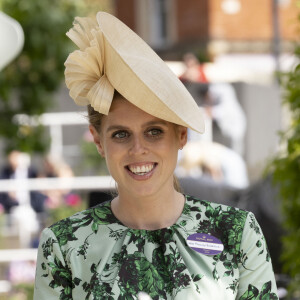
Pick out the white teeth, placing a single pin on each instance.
(141, 170)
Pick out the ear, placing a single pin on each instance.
(182, 136)
(97, 140)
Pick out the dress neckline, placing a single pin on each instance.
(108, 204)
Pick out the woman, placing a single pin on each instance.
(150, 238)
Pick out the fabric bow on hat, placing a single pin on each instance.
(85, 71)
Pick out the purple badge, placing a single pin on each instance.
(205, 243)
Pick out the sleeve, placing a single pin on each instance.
(53, 280)
(257, 280)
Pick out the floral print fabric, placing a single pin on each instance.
(91, 255)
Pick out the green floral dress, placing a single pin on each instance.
(91, 255)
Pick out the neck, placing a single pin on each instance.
(149, 213)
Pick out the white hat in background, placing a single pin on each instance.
(11, 39)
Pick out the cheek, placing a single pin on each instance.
(169, 150)
(110, 165)
(113, 156)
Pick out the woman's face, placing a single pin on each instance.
(140, 149)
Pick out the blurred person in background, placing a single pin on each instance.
(194, 71)
(220, 104)
(229, 120)
(150, 239)
(216, 156)
(215, 161)
(22, 204)
(58, 168)
(18, 167)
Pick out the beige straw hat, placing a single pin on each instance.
(112, 56)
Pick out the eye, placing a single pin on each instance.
(121, 134)
(154, 132)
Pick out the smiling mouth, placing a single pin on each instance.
(142, 169)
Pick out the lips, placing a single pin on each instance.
(141, 169)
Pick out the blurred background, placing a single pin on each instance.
(240, 61)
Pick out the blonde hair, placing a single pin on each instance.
(177, 185)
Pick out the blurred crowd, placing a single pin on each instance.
(25, 209)
(24, 213)
(19, 167)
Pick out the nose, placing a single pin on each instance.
(138, 146)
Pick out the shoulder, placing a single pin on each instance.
(101, 211)
(212, 209)
(82, 224)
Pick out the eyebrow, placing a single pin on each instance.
(150, 123)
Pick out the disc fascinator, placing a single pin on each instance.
(112, 57)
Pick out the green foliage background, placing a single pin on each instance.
(286, 170)
(28, 84)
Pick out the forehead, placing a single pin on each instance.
(122, 110)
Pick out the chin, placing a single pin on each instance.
(143, 190)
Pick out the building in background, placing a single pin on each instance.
(220, 26)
